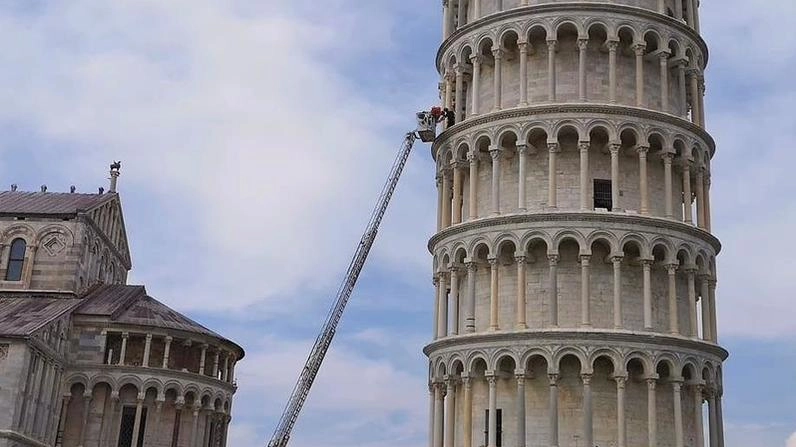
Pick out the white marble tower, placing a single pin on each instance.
(574, 264)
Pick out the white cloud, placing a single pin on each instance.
(791, 442)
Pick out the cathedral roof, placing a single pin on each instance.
(22, 315)
(48, 203)
(132, 305)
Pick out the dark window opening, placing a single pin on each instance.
(602, 194)
(16, 260)
(127, 426)
(499, 439)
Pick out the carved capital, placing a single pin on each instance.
(586, 378)
(522, 149)
(614, 148)
(583, 44)
(471, 267)
(642, 150)
(639, 49)
(552, 147)
(612, 45)
(521, 259)
(497, 52)
(584, 146)
(553, 259)
(617, 259)
(652, 383)
(671, 269)
(493, 262)
(494, 152)
(552, 45)
(621, 382)
(553, 379)
(476, 59)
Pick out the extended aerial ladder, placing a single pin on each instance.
(426, 131)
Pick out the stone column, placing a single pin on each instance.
(476, 61)
(521, 279)
(456, 216)
(695, 112)
(492, 438)
(225, 370)
(440, 200)
(454, 300)
(194, 424)
(664, 61)
(698, 415)
(215, 363)
(462, 18)
(701, 98)
(446, 198)
(470, 320)
(448, 78)
(438, 414)
(494, 152)
(644, 183)
(450, 412)
(617, 262)
(552, 45)
(714, 332)
(615, 177)
(668, 157)
(497, 53)
(613, 45)
(674, 324)
(442, 300)
(447, 19)
(437, 305)
(647, 267)
(553, 259)
(459, 92)
(494, 295)
(147, 350)
(521, 433)
(707, 333)
(588, 416)
(61, 421)
(552, 186)
(677, 385)
(522, 202)
(639, 49)
(583, 146)
(523, 45)
(583, 45)
(678, 10)
(137, 424)
(472, 157)
(476, 9)
(202, 359)
(553, 409)
(720, 418)
(84, 420)
(682, 87)
(468, 412)
(431, 401)
(123, 351)
(652, 412)
(621, 435)
(585, 290)
(687, 192)
(700, 197)
(713, 421)
(175, 432)
(692, 301)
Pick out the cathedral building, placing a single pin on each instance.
(574, 263)
(85, 358)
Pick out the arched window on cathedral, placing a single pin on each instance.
(16, 259)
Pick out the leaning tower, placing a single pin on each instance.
(574, 264)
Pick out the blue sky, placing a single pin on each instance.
(255, 136)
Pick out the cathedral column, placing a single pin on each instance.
(719, 419)
(61, 421)
(707, 331)
(462, 14)
(440, 199)
(552, 186)
(492, 438)
(613, 45)
(446, 198)
(497, 53)
(123, 351)
(644, 182)
(449, 78)
(617, 262)
(84, 421)
(621, 383)
(456, 217)
(521, 433)
(687, 192)
(442, 301)
(583, 45)
(454, 300)
(713, 323)
(708, 225)
(668, 157)
(447, 18)
(585, 290)
(553, 289)
(225, 370)
(194, 424)
(431, 403)
(682, 88)
(639, 49)
(202, 359)
(664, 61)
(439, 411)
(472, 157)
(677, 385)
(647, 267)
(494, 295)
(701, 98)
(147, 349)
(552, 45)
(522, 202)
(521, 279)
(216, 359)
(468, 412)
(614, 147)
(692, 301)
(459, 95)
(698, 415)
(674, 324)
(652, 412)
(476, 9)
(523, 45)
(588, 415)
(494, 152)
(437, 305)
(695, 112)
(476, 61)
(583, 146)
(450, 412)
(700, 197)
(470, 320)
(139, 405)
(713, 422)
(678, 10)
(553, 409)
